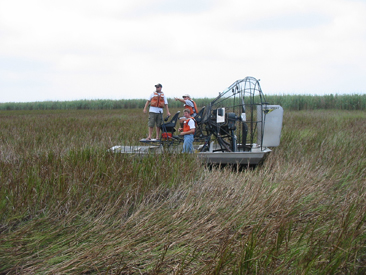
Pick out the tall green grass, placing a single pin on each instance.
(289, 102)
(326, 102)
(68, 206)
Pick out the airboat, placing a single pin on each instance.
(238, 127)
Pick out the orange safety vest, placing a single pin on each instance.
(158, 100)
(191, 108)
(186, 127)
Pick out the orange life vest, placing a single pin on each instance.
(186, 127)
(191, 108)
(158, 100)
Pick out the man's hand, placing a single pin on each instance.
(144, 111)
(168, 114)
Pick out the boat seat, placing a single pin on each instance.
(169, 127)
(199, 116)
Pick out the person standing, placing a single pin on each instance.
(188, 131)
(188, 104)
(157, 101)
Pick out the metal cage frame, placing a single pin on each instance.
(240, 101)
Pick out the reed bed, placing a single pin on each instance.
(68, 206)
(289, 102)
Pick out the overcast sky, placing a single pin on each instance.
(73, 49)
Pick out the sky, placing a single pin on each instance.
(108, 49)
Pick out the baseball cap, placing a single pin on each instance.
(186, 95)
(158, 85)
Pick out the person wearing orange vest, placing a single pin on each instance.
(188, 104)
(157, 101)
(188, 130)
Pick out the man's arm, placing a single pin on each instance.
(180, 99)
(146, 104)
(192, 131)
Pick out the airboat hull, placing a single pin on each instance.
(138, 150)
(241, 158)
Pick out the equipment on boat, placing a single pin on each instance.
(237, 127)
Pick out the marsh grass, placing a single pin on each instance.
(70, 207)
(289, 102)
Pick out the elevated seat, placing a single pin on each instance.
(199, 135)
(199, 116)
(169, 127)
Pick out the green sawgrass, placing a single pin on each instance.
(68, 206)
(289, 102)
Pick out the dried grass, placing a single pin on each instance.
(69, 207)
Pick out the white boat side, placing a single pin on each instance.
(243, 158)
(246, 158)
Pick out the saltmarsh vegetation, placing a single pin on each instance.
(67, 206)
(288, 102)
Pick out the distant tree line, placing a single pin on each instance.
(288, 102)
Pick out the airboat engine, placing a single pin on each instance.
(241, 125)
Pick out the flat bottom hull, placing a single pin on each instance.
(242, 158)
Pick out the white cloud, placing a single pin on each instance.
(120, 49)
